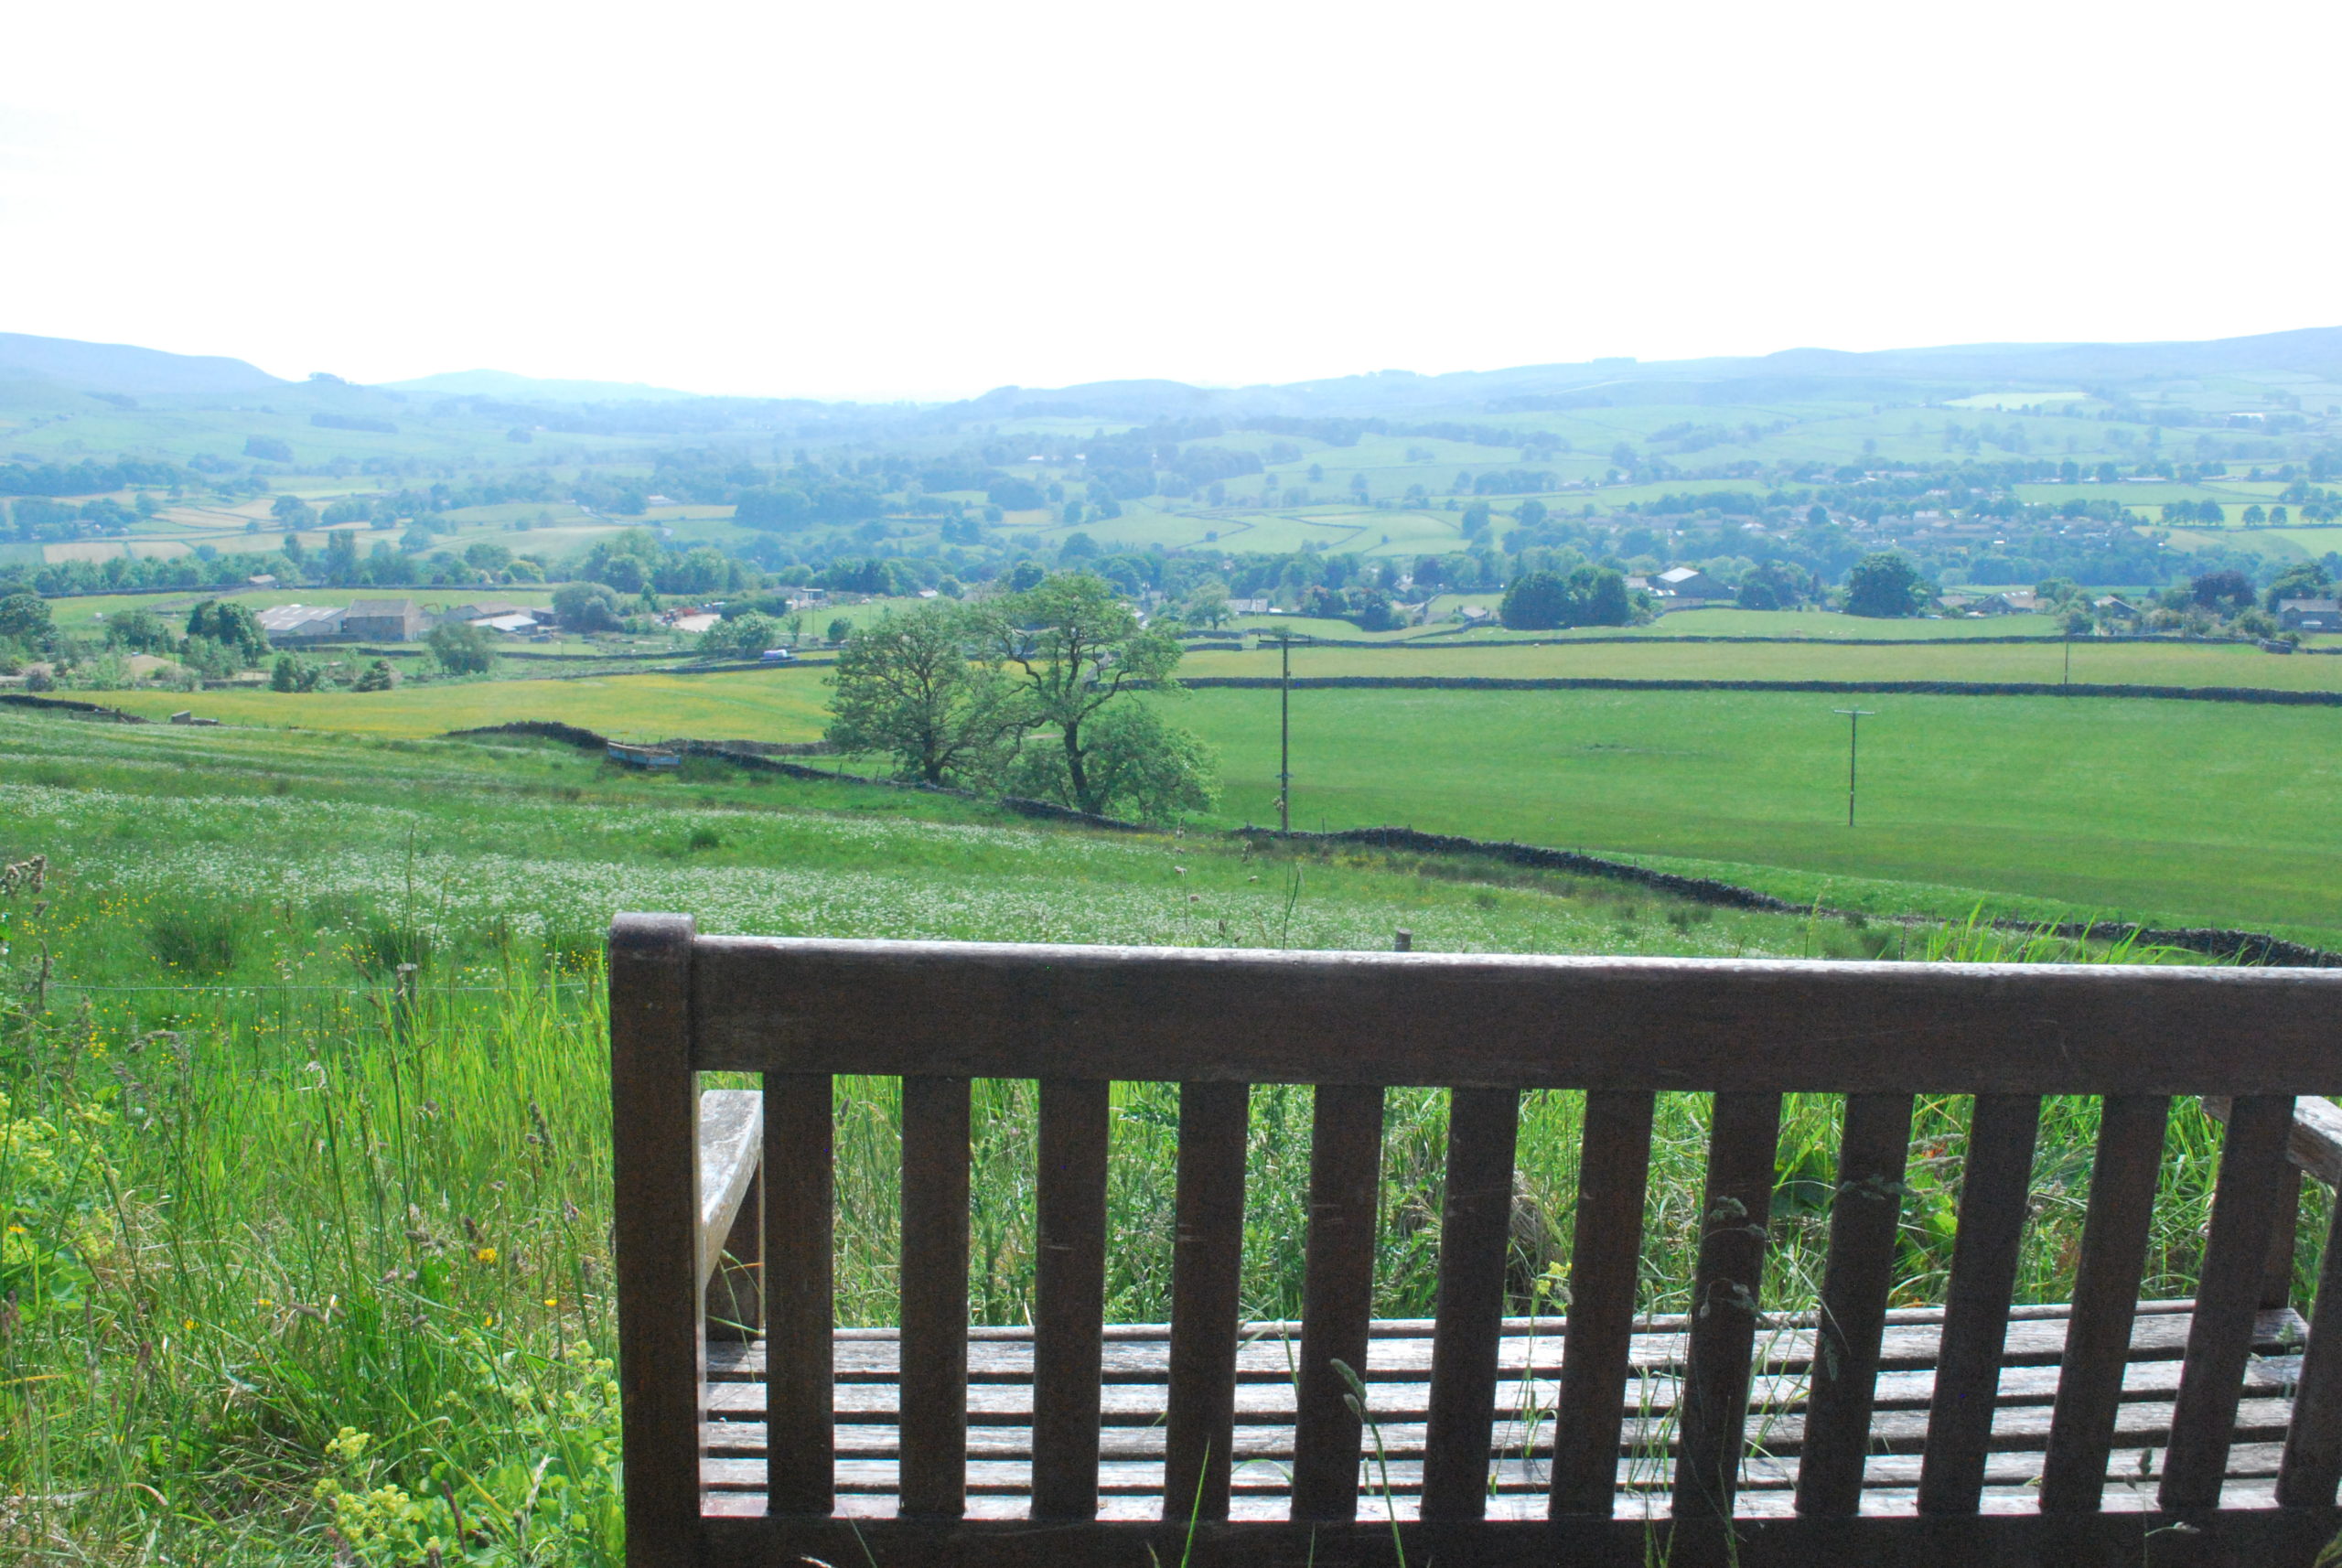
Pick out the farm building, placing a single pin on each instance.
(383, 620)
(2310, 615)
(2013, 602)
(290, 626)
(495, 615)
(1687, 584)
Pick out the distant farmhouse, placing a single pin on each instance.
(1688, 586)
(390, 620)
(2310, 615)
(383, 620)
(297, 626)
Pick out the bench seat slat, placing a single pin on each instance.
(2159, 1332)
(1127, 1404)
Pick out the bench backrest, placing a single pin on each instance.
(1488, 1028)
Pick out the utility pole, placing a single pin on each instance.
(2070, 651)
(1855, 717)
(1284, 736)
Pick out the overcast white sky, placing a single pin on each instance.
(906, 198)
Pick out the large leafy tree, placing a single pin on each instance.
(1073, 649)
(1883, 585)
(921, 687)
(230, 625)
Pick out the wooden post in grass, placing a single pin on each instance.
(1855, 717)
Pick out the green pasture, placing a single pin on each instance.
(2199, 813)
(760, 704)
(2094, 660)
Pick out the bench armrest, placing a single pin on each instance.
(2316, 1144)
(731, 1144)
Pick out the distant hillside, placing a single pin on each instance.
(1886, 375)
(507, 387)
(125, 370)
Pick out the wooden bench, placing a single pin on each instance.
(2105, 1431)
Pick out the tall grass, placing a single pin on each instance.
(298, 1265)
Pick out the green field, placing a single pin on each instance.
(775, 705)
(2170, 812)
(2094, 660)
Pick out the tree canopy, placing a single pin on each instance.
(1883, 585)
(920, 687)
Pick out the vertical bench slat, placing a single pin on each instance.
(2285, 1237)
(1736, 1211)
(1873, 1147)
(1069, 1296)
(934, 1374)
(800, 1308)
(1476, 1229)
(2219, 1340)
(2312, 1468)
(2123, 1178)
(1613, 1176)
(1337, 1296)
(654, 1097)
(1995, 1180)
(1206, 1259)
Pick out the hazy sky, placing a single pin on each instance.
(913, 198)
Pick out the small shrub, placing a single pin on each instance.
(195, 941)
(384, 946)
(705, 837)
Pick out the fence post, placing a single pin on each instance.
(403, 1004)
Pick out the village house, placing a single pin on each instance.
(383, 620)
(2310, 615)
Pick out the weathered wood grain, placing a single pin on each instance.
(1207, 1253)
(1614, 1171)
(935, 1295)
(2219, 1335)
(1995, 1180)
(1735, 1214)
(2313, 1467)
(2123, 1175)
(1497, 1022)
(800, 1220)
(1069, 1297)
(1337, 1296)
(1476, 1229)
(654, 1152)
(1874, 1148)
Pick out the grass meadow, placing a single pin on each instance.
(2175, 812)
(2165, 811)
(297, 1274)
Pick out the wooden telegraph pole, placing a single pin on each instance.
(1855, 717)
(1284, 735)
